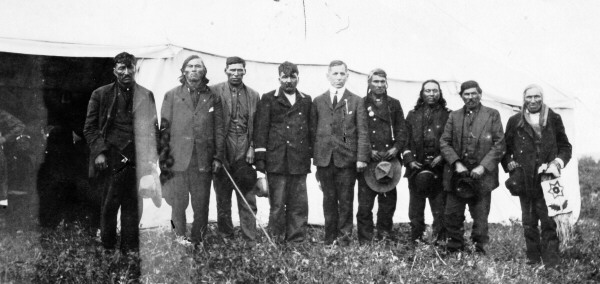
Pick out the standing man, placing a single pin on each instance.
(120, 128)
(283, 150)
(10, 128)
(239, 107)
(424, 162)
(535, 137)
(195, 116)
(387, 134)
(341, 149)
(472, 145)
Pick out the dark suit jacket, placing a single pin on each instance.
(521, 147)
(341, 133)
(100, 118)
(200, 127)
(284, 131)
(415, 122)
(490, 145)
(223, 91)
(379, 121)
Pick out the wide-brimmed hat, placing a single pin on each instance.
(516, 182)
(244, 175)
(383, 176)
(464, 186)
(424, 181)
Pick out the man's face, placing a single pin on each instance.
(289, 82)
(431, 93)
(533, 100)
(125, 74)
(235, 73)
(194, 71)
(471, 98)
(378, 84)
(337, 76)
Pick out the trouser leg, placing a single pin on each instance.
(277, 197)
(549, 241)
(479, 207)
(247, 220)
(200, 197)
(326, 176)
(296, 208)
(531, 232)
(386, 210)
(364, 216)
(416, 212)
(180, 198)
(454, 216)
(345, 181)
(223, 189)
(131, 210)
(437, 202)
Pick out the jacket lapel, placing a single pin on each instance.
(281, 98)
(186, 97)
(342, 101)
(458, 128)
(328, 99)
(480, 121)
(227, 98)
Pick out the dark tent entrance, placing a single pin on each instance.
(46, 168)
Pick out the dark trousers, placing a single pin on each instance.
(416, 210)
(364, 216)
(338, 199)
(546, 247)
(454, 217)
(197, 184)
(223, 190)
(289, 206)
(120, 191)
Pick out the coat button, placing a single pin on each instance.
(374, 119)
(373, 131)
(299, 113)
(386, 145)
(288, 127)
(288, 142)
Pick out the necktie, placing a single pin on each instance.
(335, 99)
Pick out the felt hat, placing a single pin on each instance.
(424, 181)
(464, 186)
(383, 176)
(516, 182)
(244, 175)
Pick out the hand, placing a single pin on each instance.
(460, 168)
(375, 156)
(438, 160)
(100, 162)
(553, 169)
(390, 154)
(260, 166)
(512, 165)
(360, 166)
(76, 138)
(250, 155)
(216, 166)
(415, 165)
(147, 185)
(477, 172)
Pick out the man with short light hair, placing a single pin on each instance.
(239, 109)
(341, 150)
(536, 139)
(472, 145)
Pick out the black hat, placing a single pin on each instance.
(244, 175)
(425, 181)
(516, 182)
(464, 186)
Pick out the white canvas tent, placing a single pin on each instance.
(412, 41)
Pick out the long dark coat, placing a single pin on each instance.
(379, 121)
(284, 132)
(341, 132)
(490, 145)
(200, 127)
(100, 117)
(415, 124)
(521, 147)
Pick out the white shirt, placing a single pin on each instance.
(535, 117)
(291, 98)
(340, 93)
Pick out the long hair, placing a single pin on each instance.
(420, 102)
(185, 62)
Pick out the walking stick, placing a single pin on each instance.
(247, 204)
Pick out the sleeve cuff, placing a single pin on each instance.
(560, 162)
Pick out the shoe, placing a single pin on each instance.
(185, 241)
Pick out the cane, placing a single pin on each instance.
(245, 201)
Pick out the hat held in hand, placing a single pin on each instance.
(464, 185)
(383, 176)
(516, 182)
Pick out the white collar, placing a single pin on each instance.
(340, 92)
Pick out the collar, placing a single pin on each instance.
(202, 88)
(238, 88)
(372, 97)
(125, 89)
(475, 110)
(340, 92)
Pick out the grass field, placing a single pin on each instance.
(70, 254)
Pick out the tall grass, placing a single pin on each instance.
(69, 254)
